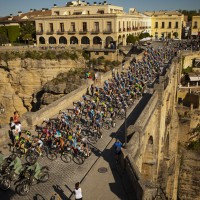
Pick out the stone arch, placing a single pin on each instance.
(52, 40)
(97, 40)
(73, 40)
(149, 162)
(42, 40)
(119, 39)
(109, 40)
(62, 40)
(85, 40)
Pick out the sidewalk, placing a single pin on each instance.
(111, 185)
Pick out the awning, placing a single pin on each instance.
(194, 78)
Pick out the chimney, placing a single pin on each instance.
(31, 10)
(10, 17)
(19, 13)
(54, 5)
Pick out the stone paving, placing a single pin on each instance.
(63, 176)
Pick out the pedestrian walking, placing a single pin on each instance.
(78, 192)
(118, 149)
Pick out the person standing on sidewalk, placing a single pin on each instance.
(78, 192)
(118, 149)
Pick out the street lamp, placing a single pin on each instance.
(125, 123)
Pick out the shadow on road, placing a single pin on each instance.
(38, 197)
(7, 195)
(60, 193)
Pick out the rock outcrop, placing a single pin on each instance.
(25, 78)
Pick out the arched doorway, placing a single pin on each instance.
(41, 40)
(52, 40)
(119, 40)
(109, 42)
(73, 40)
(85, 40)
(62, 40)
(97, 40)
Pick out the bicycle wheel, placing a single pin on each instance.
(22, 189)
(66, 157)
(52, 156)
(78, 160)
(44, 177)
(5, 183)
(31, 159)
(92, 139)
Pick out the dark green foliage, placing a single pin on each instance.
(144, 35)
(3, 38)
(131, 39)
(189, 13)
(27, 30)
(12, 32)
(187, 70)
(194, 145)
(85, 55)
(175, 34)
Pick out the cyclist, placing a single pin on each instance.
(36, 168)
(16, 164)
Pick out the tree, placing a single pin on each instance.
(144, 35)
(131, 39)
(3, 38)
(27, 30)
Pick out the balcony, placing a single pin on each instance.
(83, 31)
(124, 29)
(169, 27)
(50, 32)
(60, 32)
(96, 31)
(128, 29)
(156, 27)
(194, 27)
(71, 31)
(120, 30)
(176, 27)
(109, 31)
(39, 33)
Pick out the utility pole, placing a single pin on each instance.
(125, 123)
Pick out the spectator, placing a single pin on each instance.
(18, 129)
(16, 117)
(78, 192)
(12, 129)
(118, 147)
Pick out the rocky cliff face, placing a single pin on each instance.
(24, 79)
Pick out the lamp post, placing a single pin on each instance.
(125, 132)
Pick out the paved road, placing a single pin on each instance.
(64, 175)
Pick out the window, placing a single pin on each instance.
(62, 27)
(109, 26)
(96, 53)
(156, 24)
(195, 24)
(84, 26)
(176, 25)
(96, 26)
(73, 28)
(163, 25)
(51, 27)
(56, 12)
(170, 25)
(40, 27)
(106, 53)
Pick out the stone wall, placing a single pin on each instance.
(153, 146)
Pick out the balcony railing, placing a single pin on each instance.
(169, 27)
(39, 33)
(120, 29)
(72, 31)
(95, 31)
(107, 31)
(176, 27)
(60, 32)
(194, 26)
(83, 31)
(124, 29)
(50, 32)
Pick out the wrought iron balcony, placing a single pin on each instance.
(95, 31)
(109, 31)
(194, 26)
(83, 31)
(60, 32)
(72, 31)
(50, 32)
(39, 33)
